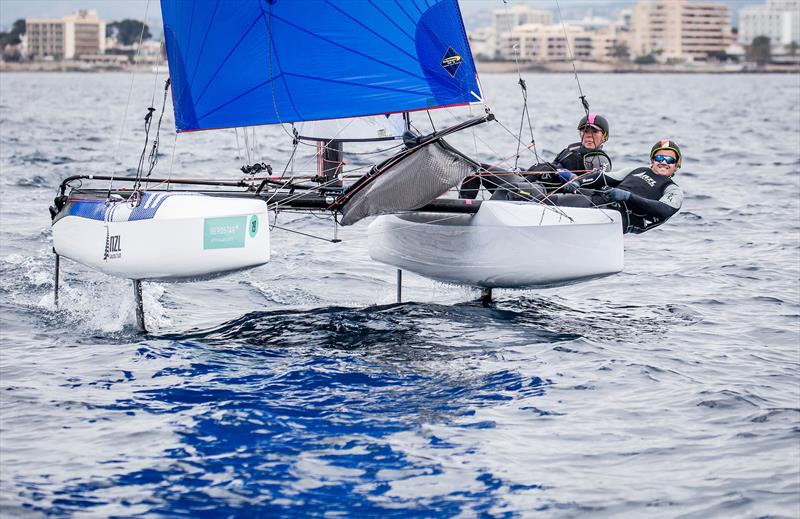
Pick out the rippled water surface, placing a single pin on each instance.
(301, 387)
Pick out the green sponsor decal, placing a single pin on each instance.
(253, 225)
(224, 233)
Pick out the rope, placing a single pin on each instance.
(584, 102)
(127, 103)
(524, 89)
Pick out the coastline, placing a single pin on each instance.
(484, 67)
(498, 67)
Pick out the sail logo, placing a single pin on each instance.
(451, 61)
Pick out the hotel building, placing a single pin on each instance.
(679, 30)
(80, 34)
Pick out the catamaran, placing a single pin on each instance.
(323, 69)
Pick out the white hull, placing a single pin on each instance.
(503, 245)
(169, 236)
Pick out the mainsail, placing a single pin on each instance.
(252, 62)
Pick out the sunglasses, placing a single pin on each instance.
(665, 158)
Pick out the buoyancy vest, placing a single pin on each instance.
(647, 184)
(575, 158)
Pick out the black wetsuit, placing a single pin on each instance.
(653, 199)
(575, 158)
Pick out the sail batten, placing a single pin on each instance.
(254, 62)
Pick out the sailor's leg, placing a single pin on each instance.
(56, 280)
(470, 187)
(515, 187)
(137, 295)
(577, 200)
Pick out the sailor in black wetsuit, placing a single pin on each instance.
(574, 160)
(646, 197)
(578, 158)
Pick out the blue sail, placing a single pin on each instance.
(252, 62)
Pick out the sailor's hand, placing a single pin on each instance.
(571, 187)
(618, 195)
(565, 175)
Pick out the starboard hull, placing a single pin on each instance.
(504, 245)
(167, 236)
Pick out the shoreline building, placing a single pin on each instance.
(486, 41)
(778, 20)
(547, 43)
(70, 37)
(679, 30)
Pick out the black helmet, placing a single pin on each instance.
(594, 120)
(666, 144)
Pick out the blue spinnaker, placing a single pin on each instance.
(251, 62)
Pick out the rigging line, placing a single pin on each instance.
(153, 158)
(572, 59)
(274, 226)
(528, 197)
(238, 149)
(247, 147)
(377, 152)
(524, 89)
(256, 151)
(268, 20)
(430, 118)
(298, 196)
(512, 134)
(155, 75)
(127, 104)
(555, 191)
(172, 161)
(437, 220)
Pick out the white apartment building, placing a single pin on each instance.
(483, 43)
(82, 33)
(679, 29)
(543, 43)
(779, 20)
(504, 20)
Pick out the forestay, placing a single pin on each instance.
(252, 62)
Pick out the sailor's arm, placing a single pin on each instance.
(666, 206)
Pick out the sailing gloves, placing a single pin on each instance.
(618, 195)
(567, 177)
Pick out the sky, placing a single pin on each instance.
(474, 11)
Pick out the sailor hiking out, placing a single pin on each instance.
(646, 196)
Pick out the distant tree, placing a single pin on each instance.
(760, 50)
(792, 48)
(647, 59)
(18, 27)
(13, 36)
(128, 31)
(620, 51)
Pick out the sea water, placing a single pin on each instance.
(302, 388)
